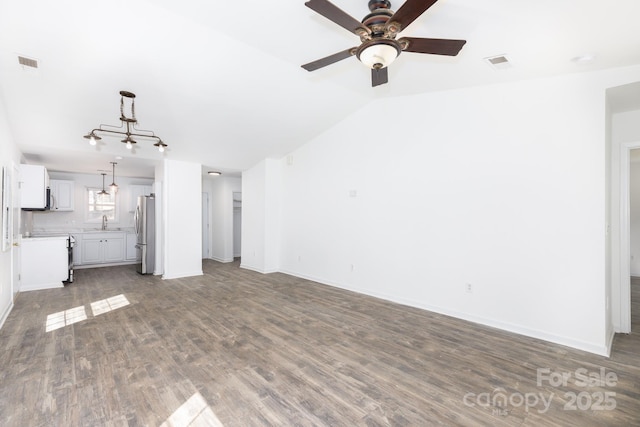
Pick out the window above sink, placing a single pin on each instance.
(100, 205)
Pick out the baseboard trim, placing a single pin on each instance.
(258, 270)
(111, 264)
(602, 350)
(225, 260)
(40, 287)
(181, 275)
(610, 339)
(5, 314)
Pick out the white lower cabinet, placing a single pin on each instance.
(131, 251)
(102, 248)
(45, 262)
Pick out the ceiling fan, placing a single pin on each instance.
(377, 32)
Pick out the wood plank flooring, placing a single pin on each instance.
(238, 348)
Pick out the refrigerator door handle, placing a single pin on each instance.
(136, 220)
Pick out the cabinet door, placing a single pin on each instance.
(113, 249)
(131, 251)
(77, 250)
(136, 190)
(33, 192)
(91, 251)
(62, 193)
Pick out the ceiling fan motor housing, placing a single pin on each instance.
(377, 20)
(379, 4)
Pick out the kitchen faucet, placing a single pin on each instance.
(104, 222)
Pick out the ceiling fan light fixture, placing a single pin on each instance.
(378, 53)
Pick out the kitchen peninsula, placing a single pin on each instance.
(45, 262)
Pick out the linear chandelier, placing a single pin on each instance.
(127, 127)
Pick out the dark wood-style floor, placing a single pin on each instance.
(238, 348)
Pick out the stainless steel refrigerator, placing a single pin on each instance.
(144, 219)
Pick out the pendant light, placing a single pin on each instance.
(114, 186)
(103, 193)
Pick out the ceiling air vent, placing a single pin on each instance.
(27, 62)
(500, 62)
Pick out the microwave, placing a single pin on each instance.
(47, 205)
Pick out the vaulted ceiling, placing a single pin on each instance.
(221, 82)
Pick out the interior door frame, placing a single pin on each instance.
(16, 236)
(206, 226)
(622, 307)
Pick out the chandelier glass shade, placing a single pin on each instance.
(127, 127)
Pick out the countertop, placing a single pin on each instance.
(46, 236)
(66, 232)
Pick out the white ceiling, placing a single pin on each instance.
(221, 83)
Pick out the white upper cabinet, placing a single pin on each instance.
(62, 195)
(136, 190)
(35, 180)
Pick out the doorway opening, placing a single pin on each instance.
(634, 235)
(621, 291)
(205, 226)
(237, 225)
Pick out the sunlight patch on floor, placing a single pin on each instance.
(193, 413)
(109, 304)
(77, 314)
(64, 318)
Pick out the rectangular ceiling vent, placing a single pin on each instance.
(499, 62)
(27, 62)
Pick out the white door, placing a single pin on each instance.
(237, 231)
(205, 225)
(16, 237)
(237, 224)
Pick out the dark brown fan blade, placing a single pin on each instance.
(433, 46)
(379, 76)
(312, 66)
(409, 11)
(335, 14)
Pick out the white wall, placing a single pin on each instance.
(158, 188)
(502, 187)
(261, 216)
(9, 155)
(182, 219)
(221, 190)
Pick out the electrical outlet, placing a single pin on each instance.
(469, 288)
